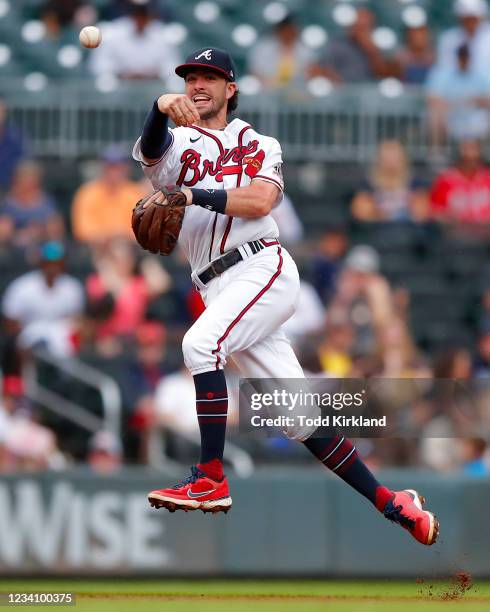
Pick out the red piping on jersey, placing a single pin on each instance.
(247, 308)
(268, 178)
(233, 169)
(267, 244)
(225, 235)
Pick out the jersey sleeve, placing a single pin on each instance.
(161, 172)
(271, 168)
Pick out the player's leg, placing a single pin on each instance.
(244, 305)
(273, 357)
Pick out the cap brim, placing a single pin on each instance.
(183, 69)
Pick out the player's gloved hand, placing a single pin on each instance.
(179, 108)
(157, 219)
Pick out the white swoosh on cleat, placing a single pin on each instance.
(192, 495)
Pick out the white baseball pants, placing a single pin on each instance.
(245, 307)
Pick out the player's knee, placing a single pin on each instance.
(197, 350)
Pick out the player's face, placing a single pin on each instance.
(209, 92)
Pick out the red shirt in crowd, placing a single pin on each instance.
(129, 307)
(459, 197)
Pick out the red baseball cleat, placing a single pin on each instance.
(405, 508)
(196, 492)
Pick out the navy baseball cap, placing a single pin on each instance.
(208, 57)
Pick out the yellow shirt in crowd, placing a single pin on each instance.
(101, 212)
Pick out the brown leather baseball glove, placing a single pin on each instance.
(157, 226)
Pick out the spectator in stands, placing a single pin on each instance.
(458, 100)
(122, 292)
(363, 297)
(473, 30)
(484, 310)
(416, 57)
(449, 406)
(336, 349)
(12, 148)
(462, 192)
(288, 222)
(397, 352)
(391, 193)
(146, 370)
(28, 215)
(327, 261)
(58, 17)
(31, 446)
(135, 47)
(354, 57)
(472, 456)
(287, 57)
(102, 208)
(177, 390)
(309, 317)
(105, 454)
(43, 306)
(481, 366)
(142, 376)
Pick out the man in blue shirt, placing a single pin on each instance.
(459, 100)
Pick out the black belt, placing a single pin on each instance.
(230, 259)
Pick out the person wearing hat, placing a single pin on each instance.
(42, 305)
(92, 219)
(231, 178)
(473, 30)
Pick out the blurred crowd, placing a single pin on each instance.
(126, 311)
(450, 65)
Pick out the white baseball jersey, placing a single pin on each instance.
(217, 159)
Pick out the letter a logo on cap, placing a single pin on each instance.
(205, 54)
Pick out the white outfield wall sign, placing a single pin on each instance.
(52, 524)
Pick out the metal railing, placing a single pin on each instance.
(67, 407)
(74, 119)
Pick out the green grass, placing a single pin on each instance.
(256, 596)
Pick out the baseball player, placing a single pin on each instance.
(231, 178)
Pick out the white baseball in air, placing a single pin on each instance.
(90, 37)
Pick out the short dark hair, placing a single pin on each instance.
(232, 103)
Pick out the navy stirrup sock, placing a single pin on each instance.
(340, 455)
(212, 410)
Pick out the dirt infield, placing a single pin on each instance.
(459, 586)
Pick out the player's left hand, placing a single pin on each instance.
(157, 219)
(159, 198)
